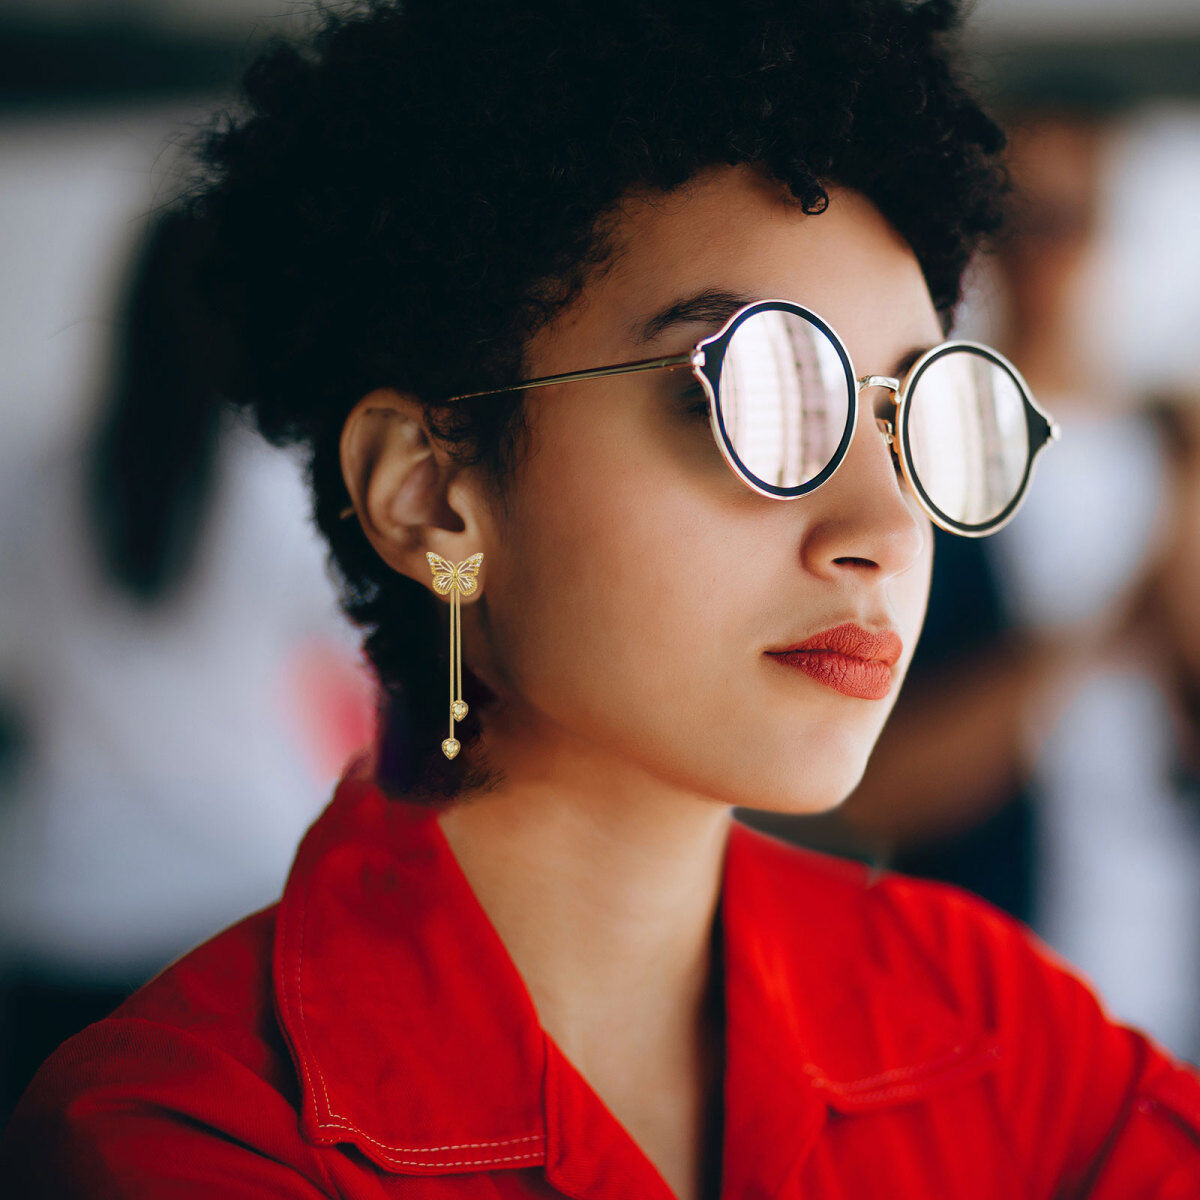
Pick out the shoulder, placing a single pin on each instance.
(1080, 1095)
(220, 993)
(996, 973)
(194, 1054)
(945, 932)
(214, 1002)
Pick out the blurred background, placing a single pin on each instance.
(178, 693)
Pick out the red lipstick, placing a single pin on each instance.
(848, 658)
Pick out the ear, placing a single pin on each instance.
(408, 495)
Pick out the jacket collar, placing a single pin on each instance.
(415, 1038)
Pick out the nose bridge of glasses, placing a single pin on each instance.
(887, 383)
(880, 381)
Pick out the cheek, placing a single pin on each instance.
(909, 590)
(908, 597)
(616, 565)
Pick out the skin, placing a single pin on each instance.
(625, 606)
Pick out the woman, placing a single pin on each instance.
(527, 953)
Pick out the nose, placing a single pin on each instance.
(863, 518)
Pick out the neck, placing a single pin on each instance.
(603, 884)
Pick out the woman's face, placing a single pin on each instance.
(636, 584)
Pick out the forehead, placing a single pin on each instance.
(733, 230)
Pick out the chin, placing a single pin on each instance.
(809, 802)
(814, 779)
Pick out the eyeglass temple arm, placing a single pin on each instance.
(645, 364)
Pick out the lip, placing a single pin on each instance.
(848, 658)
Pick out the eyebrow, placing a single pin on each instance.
(714, 306)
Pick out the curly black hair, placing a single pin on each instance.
(417, 187)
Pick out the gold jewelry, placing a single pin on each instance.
(455, 579)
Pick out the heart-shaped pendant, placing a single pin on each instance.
(459, 709)
(450, 747)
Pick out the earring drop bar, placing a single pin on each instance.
(457, 580)
(458, 708)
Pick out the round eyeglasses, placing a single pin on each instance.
(783, 402)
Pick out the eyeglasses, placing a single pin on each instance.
(783, 405)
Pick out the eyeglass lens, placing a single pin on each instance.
(785, 398)
(967, 435)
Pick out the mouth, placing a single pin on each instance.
(847, 658)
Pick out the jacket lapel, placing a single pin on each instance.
(415, 1039)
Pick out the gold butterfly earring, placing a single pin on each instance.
(456, 580)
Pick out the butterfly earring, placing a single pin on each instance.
(456, 580)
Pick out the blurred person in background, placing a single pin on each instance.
(1032, 758)
(1172, 622)
(1118, 819)
(180, 687)
(1174, 615)
(1119, 837)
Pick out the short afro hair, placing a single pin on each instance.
(415, 188)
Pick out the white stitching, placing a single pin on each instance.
(462, 1162)
(536, 1137)
(343, 1122)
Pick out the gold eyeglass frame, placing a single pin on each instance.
(705, 360)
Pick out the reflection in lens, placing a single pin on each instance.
(967, 435)
(785, 397)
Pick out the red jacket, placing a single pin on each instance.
(369, 1037)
